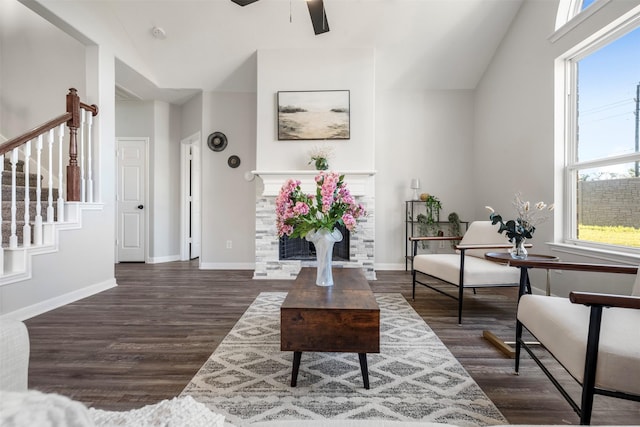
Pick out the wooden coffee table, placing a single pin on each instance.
(341, 318)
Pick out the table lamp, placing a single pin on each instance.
(415, 184)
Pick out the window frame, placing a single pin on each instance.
(570, 15)
(566, 84)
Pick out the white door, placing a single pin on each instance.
(131, 210)
(190, 199)
(196, 205)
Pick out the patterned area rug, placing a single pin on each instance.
(414, 377)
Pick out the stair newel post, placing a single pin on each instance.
(73, 171)
(26, 228)
(37, 226)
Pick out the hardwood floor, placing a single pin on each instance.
(142, 341)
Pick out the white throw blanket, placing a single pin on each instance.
(33, 408)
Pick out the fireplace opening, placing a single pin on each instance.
(301, 249)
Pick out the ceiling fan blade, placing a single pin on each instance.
(318, 16)
(244, 2)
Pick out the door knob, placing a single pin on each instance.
(140, 206)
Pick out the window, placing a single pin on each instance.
(602, 173)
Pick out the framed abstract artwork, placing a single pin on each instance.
(314, 115)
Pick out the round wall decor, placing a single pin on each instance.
(233, 161)
(217, 141)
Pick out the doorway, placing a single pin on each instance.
(131, 199)
(190, 198)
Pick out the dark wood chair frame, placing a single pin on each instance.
(596, 301)
(462, 249)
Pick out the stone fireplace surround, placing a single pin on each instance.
(361, 184)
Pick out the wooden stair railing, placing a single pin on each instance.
(79, 182)
(73, 120)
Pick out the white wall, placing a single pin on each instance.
(316, 69)
(465, 145)
(228, 200)
(35, 80)
(32, 68)
(165, 188)
(514, 129)
(160, 122)
(424, 134)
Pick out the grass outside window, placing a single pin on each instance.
(618, 235)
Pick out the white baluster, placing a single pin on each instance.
(26, 228)
(50, 210)
(89, 157)
(37, 226)
(60, 181)
(13, 239)
(81, 155)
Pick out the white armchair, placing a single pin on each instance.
(595, 337)
(467, 268)
(14, 355)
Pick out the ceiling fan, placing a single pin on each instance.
(316, 11)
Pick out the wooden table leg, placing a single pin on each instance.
(297, 355)
(365, 369)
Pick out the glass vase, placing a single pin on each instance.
(518, 251)
(324, 240)
(321, 164)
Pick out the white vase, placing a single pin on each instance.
(324, 240)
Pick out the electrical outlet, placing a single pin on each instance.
(229, 244)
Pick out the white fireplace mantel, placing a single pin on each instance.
(359, 182)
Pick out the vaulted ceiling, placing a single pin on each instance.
(211, 44)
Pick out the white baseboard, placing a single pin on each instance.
(389, 266)
(227, 266)
(53, 303)
(161, 259)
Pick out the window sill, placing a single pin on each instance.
(602, 255)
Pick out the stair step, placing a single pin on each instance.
(44, 193)
(7, 163)
(6, 210)
(20, 178)
(6, 233)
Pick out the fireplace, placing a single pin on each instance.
(357, 250)
(301, 249)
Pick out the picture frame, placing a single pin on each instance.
(314, 115)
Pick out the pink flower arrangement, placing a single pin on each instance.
(297, 213)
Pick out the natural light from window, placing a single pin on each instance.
(604, 164)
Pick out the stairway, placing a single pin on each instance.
(20, 207)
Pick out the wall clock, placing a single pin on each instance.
(217, 141)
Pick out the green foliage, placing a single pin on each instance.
(514, 229)
(433, 209)
(321, 163)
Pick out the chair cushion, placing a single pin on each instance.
(478, 272)
(482, 232)
(563, 326)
